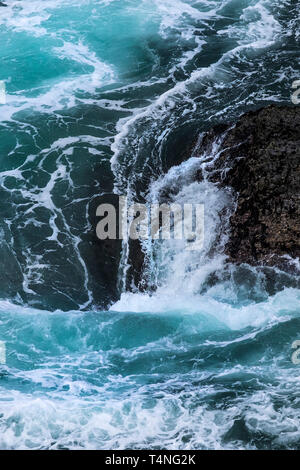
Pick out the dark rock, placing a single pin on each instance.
(102, 257)
(136, 265)
(260, 159)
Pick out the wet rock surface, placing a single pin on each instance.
(259, 157)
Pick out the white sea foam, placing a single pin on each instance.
(281, 307)
(160, 116)
(61, 95)
(75, 412)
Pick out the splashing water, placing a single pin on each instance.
(100, 97)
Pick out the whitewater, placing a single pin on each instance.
(100, 94)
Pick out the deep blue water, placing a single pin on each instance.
(101, 94)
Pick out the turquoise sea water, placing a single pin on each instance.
(101, 94)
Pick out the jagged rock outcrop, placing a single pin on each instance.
(260, 160)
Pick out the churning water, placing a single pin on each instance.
(100, 93)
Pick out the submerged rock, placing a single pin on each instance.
(260, 159)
